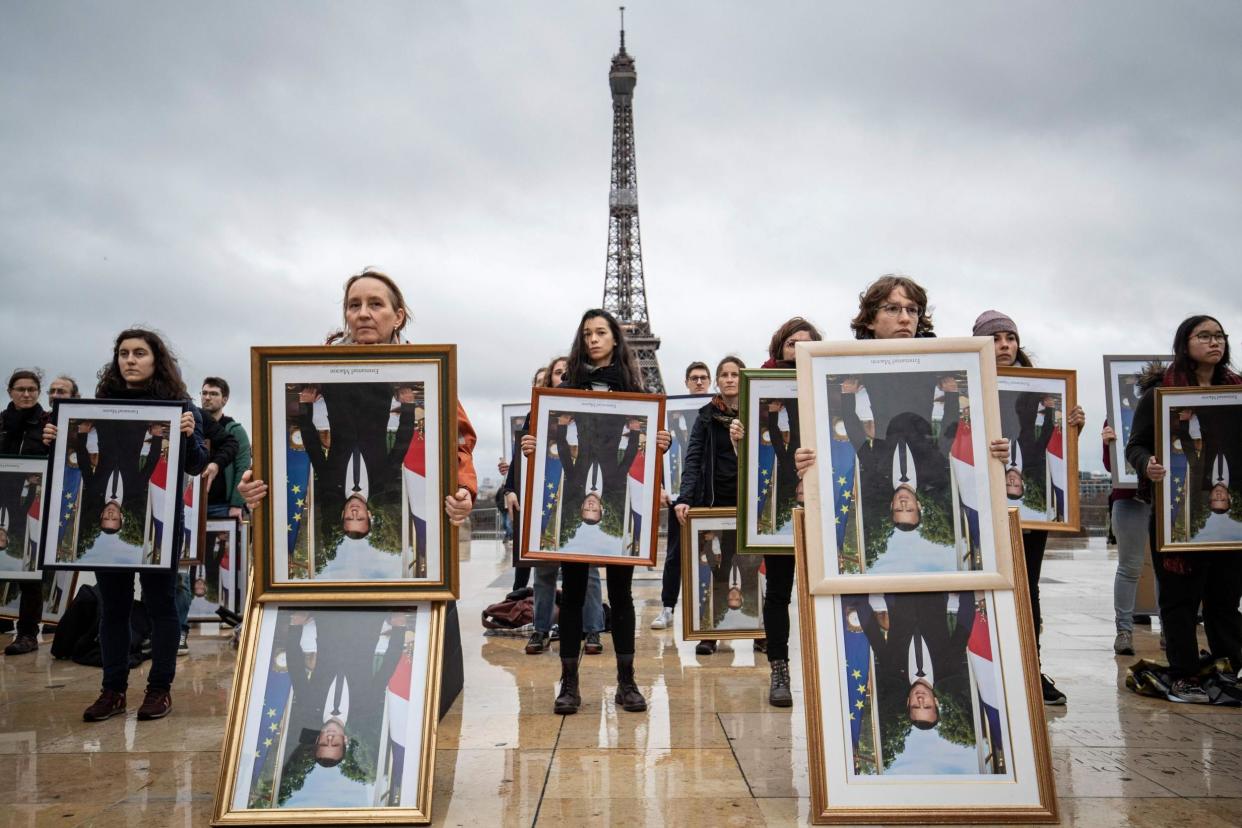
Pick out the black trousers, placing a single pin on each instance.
(1213, 578)
(779, 570)
(30, 610)
(1034, 542)
(620, 601)
(672, 563)
(521, 577)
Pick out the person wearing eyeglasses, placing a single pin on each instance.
(1200, 358)
(21, 432)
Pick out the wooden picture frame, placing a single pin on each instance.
(1009, 778)
(333, 526)
(220, 537)
(1121, 396)
(680, 413)
(1198, 505)
(767, 485)
(116, 507)
(512, 415)
(1033, 480)
(264, 778)
(708, 612)
(615, 519)
(904, 495)
(22, 481)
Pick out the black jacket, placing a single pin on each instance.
(21, 431)
(708, 450)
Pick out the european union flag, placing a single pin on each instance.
(271, 719)
(1179, 469)
(552, 471)
(297, 465)
(843, 504)
(767, 475)
(68, 501)
(857, 668)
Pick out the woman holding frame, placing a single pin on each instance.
(779, 569)
(600, 359)
(1009, 353)
(1200, 358)
(710, 473)
(142, 368)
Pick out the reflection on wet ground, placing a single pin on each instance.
(709, 750)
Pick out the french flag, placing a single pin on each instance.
(414, 473)
(397, 696)
(190, 517)
(979, 653)
(157, 491)
(34, 528)
(962, 458)
(634, 483)
(1056, 468)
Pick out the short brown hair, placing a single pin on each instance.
(730, 358)
(870, 300)
(694, 365)
(791, 327)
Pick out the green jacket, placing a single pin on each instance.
(233, 472)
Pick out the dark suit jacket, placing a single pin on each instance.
(924, 613)
(597, 445)
(120, 447)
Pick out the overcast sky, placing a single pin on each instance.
(217, 170)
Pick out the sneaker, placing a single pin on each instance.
(761, 645)
(155, 705)
(593, 645)
(21, 645)
(110, 703)
(779, 694)
(1188, 691)
(537, 643)
(1123, 644)
(663, 620)
(705, 648)
(183, 645)
(1052, 696)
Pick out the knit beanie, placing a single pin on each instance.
(992, 322)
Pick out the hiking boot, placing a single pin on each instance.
(1123, 644)
(628, 695)
(155, 705)
(22, 644)
(761, 645)
(779, 694)
(663, 620)
(110, 703)
(1188, 691)
(537, 643)
(568, 701)
(1052, 696)
(593, 645)
(705, 647)
(183, 645)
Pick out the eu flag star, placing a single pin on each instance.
(267, 743)
(857, 674)
(300, 503)
(847, 495)
(288, 527)
(271, 711)
(851, 717)
(841, 480)
(859, 704)
(273, 727)
(295, 489)
(69, 496)
(862, 688)
(297, 516)
(836, 521)
(845, 508)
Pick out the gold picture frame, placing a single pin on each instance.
(226, 813)
(721, 520)
(274, 370)
(966, 534)
(1213, 518)
(1035, 381)
(1028, 795)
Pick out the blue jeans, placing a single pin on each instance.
(545, 600)
(116, 601)
(1130, 518)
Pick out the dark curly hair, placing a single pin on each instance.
(870, 300)
(165, 383)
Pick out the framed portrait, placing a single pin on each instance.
(21, 510)
(235, 568)
(332, 716)
(680, 413)
(722, 590)
(1122, 373)
(193, 520)
(593, 483)
(512, 416)
(768, 485)
(1041, 472)
(903, 494)
(925, 706)
(212, 582)
(1199, 441)
(359, 446)
(58, 591)
(114, 492)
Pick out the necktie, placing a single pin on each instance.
(356, 461)
(1220, 468)
(918, 657)
(336, 698)
(901, 453)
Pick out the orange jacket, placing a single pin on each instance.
(466, 438)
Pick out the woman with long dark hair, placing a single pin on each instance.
(1200, 358)
(142, 367)
(1009, 353)
(600, 359)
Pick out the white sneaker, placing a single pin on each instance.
(663, 619)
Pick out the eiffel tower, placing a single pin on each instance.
(625, 296)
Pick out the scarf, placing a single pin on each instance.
(1173, 378)
(610, 375)
(722, 413)
(779, 363)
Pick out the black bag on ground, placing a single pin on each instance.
(78, 630)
